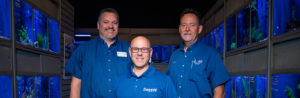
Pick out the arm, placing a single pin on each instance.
(75, 87)
(219, 91)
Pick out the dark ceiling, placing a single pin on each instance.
(137, 14)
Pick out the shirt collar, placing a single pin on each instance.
(147, 73)
(193, 46)
(103, 42)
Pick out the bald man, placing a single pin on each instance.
(144, 81)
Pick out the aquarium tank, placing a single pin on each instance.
(5, 19)
(40, 30)
(258, 86)
(231, 33)
(23, 23)
(54, 86)
(25, 86)
(41, 86)
(230, 88)
(286, 16)
(165, 53)
(6, 86)
(243, 25)
(53, 35)
(242, 86)
(285, 85)
(259, 20)
(213, 38)
(219, 36)
(156, 54)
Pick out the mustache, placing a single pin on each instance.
(110, 28)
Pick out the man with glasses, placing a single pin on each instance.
(144, 81)
(196, 69)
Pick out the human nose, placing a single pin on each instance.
(187, 28)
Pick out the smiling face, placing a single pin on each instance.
(140, 52)
(108, 26)
(189, 28)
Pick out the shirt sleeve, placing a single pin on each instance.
(74, 64)
(170, 89)
(218, 72)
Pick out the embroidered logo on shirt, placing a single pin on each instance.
(121, 54)
(197, 62)
(150, 89)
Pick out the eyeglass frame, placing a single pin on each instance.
(146, 50)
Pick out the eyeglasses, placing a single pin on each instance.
(144, 50)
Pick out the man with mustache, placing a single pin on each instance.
(143, 81)
(196, 70)
(96, 64)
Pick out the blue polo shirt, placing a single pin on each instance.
(151, 84)
(196, 72)
(98, 66)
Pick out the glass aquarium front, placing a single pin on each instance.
(285, 85)
(231, 33)
(25, 86)
(156, 54)
(53, 35)
(41, 86)
(286, 16)
(219, 36)
(258, 86)
(6, 86)
(259, 20)
(23, 23)
(242, 86)
(40, 30)
(54, 86)
(5, 19)
(165, 53)
(243, 25)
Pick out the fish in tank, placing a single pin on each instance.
(231, 33)
(6, 86)
(41, 86)
(285, 85)
(25, 86)
(259, 20)
(53, 35)
(23, 23)
(54, 86)
(5, 19)
(40, 30)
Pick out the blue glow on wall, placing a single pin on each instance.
(53, 35)
(5, 19)
(41, 86)
(285, 85)
(23, 23)
(231, 33)
(213, 38)
(40, 30)
(243, 25)
(54, 86)
(6, 87)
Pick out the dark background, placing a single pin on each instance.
(137, 14)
